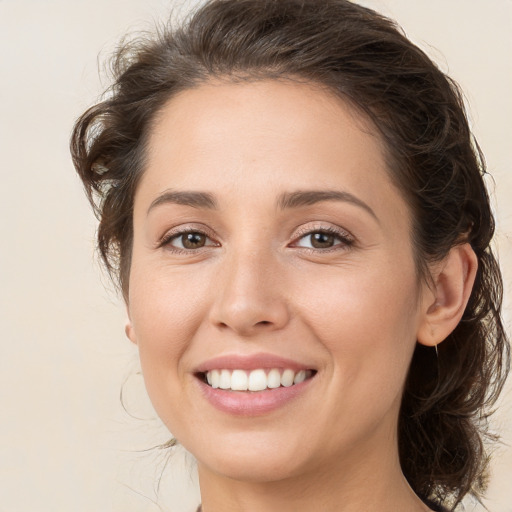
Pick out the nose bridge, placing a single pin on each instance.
(250, 296)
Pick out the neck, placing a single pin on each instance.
(369, 481)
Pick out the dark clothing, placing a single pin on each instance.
(433, 506)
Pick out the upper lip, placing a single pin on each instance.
(250, 362)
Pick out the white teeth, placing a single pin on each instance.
(225, 379)
(273, 378)
(238, 380)
(287, 378)
(255, 380)
(215, 378)
(299, 377)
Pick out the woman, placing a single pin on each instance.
(292, 202)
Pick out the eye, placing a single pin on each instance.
(319, 240)
(324, 239)
(187, 240)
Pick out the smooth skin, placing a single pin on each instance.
(330, 283)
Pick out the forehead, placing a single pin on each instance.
(253, 137)
(283, 112)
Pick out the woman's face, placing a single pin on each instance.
(271, 245)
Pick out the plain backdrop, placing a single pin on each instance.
(66, 443)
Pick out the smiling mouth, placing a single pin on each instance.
(255, 380)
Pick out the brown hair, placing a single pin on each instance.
(365, 59)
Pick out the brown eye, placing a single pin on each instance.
(320, 240)
(192, 240)
(325, 239)
(187, 241)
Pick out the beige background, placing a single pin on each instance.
(66, 444)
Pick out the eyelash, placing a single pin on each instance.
(166, 240)
(344, 238)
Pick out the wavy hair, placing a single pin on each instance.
(432, 157)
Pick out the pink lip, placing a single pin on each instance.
(248, 403)
(250, 362)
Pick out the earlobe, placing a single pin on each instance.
(453, 281)
(128, 329)
(130, 333)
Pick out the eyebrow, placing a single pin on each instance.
(193, 199)
(286, 201)
(310, 197)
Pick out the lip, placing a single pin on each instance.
(250, 362)
(248, 403)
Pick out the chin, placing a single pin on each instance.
(251, 458)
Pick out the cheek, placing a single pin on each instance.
(366, 299)
(367, 320)
(166, 304)
(370, 339)
(166, 313)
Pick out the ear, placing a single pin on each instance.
(128, 329)
(446, 300)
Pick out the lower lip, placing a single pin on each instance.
(255, 403)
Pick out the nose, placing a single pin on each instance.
(250, 296)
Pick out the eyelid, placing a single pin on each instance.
(345, 236)
(177, 231)
(328, 228)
